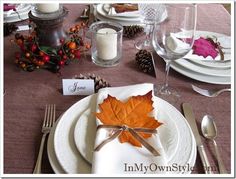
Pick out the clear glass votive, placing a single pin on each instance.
(106, 50)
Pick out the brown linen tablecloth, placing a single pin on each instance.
(28, 93)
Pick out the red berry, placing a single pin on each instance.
(61, 63)
(30, 38)
(72, 51)
(64, 57)
(60, 52)
(22, 47)
(33, 47)
(17, 55)
(62, 41)
(46, 58)
(77, 54)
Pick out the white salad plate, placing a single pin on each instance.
(21, 13)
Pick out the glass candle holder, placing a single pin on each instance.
(106, 50)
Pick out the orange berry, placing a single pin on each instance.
(41, 53)
(77, 27)
(27, 55)
(72, 29)
(72, 56)
(83, 24)
(19, 42)
(72, 45)
(40, 63)
(87, 46)
(23, 65)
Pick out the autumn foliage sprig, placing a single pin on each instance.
(32, 56)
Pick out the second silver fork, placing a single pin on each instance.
(209, 93)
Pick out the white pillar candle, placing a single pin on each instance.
(48, 8)
(106, 43)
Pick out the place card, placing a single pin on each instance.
(23, 28)
(78, 86)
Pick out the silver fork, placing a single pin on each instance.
(49, 119)
(209, 93)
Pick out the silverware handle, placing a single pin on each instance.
(219, 159)
(204, 159)
(37, 168)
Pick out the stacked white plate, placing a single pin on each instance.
(125, 19)
(207, 70)
(20, 14)
(70, 144)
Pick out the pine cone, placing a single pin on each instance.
(132, 31)
(144, 60)
(98, 81)
(9, 28)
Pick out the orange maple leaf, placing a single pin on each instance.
(133, 113)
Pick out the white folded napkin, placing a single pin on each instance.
(176, 45)
(124, 158)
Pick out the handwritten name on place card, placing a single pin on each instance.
(77, 87)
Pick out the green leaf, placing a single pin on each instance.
(48, 50)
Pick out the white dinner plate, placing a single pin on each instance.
(85, 133)
(199, 76)
(51, 152)
(225, 72)
(67, 153)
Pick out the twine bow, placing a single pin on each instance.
(133, 131)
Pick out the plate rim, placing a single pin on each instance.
(203, 70)
(195, 75)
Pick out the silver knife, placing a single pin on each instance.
(189, 115)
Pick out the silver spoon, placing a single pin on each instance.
(209, 131)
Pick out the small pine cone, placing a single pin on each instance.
(144, 60)
(98, 81)
(132, 31)
(9, 28)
